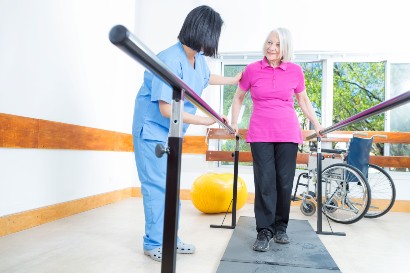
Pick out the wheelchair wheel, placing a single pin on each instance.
(383, 192)
(308, 208)
(331, 205)
(346, 193)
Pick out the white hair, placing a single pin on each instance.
(286, 43)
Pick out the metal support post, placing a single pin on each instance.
(171, 214)
(319, 193)
(234, 188)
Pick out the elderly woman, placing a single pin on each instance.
(274, 132)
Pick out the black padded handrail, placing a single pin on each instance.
(126, 41)
(377, 109)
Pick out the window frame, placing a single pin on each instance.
(328, 59)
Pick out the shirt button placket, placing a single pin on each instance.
(273, 79)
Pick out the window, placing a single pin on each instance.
(357, 86)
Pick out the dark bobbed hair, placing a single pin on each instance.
(201, 30)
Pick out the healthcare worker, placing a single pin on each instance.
(199, 37)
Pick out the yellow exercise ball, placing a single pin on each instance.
(212, 192)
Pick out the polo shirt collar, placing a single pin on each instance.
(283, 65)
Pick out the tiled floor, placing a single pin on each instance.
(109, 239)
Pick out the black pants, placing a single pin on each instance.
(274, 167)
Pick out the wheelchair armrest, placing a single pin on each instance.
(330, 151)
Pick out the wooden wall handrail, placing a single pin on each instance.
(303, 158)
(245, 157)
(24, 132)
(32, 133)
(392, 137)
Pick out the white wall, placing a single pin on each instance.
(37, 178)
(56, 63)
(360, 26)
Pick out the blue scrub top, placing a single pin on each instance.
(148, 123)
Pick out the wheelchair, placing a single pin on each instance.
(381, 184)
(346, 195)
(349, 184)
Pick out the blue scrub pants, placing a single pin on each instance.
(152, 174)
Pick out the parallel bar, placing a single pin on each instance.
(377, 109)
(123, 39)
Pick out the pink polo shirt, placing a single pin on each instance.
(273, 117)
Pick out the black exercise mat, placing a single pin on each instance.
(304, 253)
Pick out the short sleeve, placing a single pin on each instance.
(301, 81)
(245, 82)
(160, 89)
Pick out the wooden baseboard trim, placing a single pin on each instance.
(28, 219)
(24, 220)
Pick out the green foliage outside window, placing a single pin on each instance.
(357, 87)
